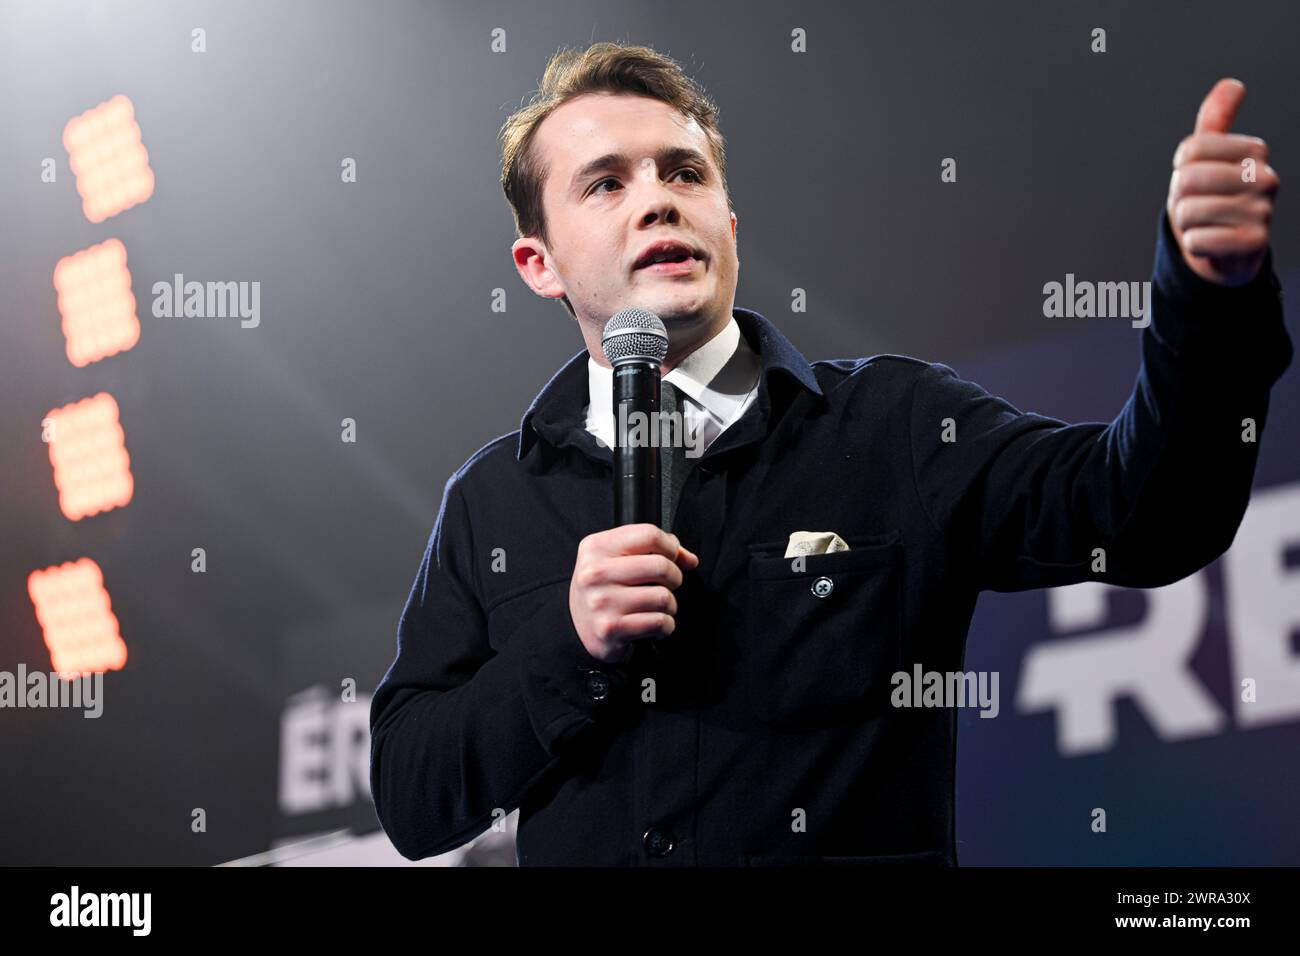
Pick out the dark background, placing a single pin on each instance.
(376, 305)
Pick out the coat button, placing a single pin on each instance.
(597, 685)
(657, 842)
(822, 587)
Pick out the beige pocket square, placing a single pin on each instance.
(814, 542)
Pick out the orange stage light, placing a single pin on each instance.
(76, 617)
(108, 159)
(88, 451)
(96, 303)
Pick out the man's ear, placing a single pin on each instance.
(532, 261)
(733, 227)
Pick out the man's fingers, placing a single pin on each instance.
(645, 601)
(1208, 178)
(1219, 108)
(634, 569)
(637, 626)
(641, 539)
(1223, 241)
(1193, 211)
(1220, 147)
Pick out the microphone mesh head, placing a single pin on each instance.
(635, 334)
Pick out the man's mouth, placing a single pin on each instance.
(678, 265)
(668, 256)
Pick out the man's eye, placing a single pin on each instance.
(684, 169)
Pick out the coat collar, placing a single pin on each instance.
(557, 409)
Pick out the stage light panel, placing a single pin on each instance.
(95, 303)
(92, 469)
(108, 158)
(76, 617)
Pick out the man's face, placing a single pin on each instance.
(663, 185)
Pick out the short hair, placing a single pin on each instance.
(602, 67)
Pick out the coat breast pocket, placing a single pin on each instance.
(825, 634)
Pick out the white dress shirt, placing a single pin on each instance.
(717, 382)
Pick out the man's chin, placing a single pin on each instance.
(678, 317)
(676, 308)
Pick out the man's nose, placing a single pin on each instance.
(659, 204)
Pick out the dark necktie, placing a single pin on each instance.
(673, 463)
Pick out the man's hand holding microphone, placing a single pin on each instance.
(622, 588)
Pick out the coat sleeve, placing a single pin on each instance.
(459, 733)
(1024, 501)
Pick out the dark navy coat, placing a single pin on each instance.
(761, 731)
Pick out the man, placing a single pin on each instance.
(694, 696)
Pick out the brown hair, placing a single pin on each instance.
(602, 67)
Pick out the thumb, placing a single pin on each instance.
(1219, 108)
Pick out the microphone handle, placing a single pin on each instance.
(636, 469)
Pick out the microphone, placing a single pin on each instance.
(635, 343)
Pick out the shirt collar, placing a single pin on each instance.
(559, 406)
(718, 376)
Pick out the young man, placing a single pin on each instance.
(695, 696)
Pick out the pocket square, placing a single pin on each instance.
(814, 542)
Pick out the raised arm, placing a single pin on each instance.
(1026, 500)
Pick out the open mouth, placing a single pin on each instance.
(676, 265)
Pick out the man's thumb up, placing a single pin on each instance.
(1221, 193)
(1219, 108)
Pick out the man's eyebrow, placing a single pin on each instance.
(669, 156)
